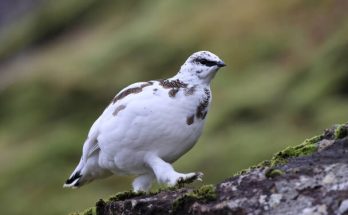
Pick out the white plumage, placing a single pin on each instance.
(148, 126)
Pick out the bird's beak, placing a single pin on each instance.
(221, 64)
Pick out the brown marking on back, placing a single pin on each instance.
(132, 90)
(201, 108)
(173, 92)
(125, 93)
(190, 91)
(175, 86)
(190, 119)
(172, 84)
(149, 83)
(118, 109)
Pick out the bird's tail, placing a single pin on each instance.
(74, 181)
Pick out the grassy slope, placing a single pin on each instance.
(285, 81)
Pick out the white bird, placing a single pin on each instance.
(148, 126)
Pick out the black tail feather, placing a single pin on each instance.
(73, 178)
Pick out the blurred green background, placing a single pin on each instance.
(61, 62)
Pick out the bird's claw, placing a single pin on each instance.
(197, 176)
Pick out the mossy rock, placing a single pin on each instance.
(341, 131)
(308, 147)
(272, 173)
(125, 195)
(205, 193)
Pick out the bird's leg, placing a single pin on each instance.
(166, 174)
(143, 182)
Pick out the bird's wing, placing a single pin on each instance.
(91, 144)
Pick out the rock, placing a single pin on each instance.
(343, 207)
(311, 178)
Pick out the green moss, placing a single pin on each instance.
(272, 173)
(125, 195)
(265, 163)
(308, 147)
(205, 193)
(89, 211)
(100, 206)
(340, 132)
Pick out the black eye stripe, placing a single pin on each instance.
(205, 62)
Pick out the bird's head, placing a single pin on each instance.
(201, 66)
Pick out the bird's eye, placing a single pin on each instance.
(206, 62)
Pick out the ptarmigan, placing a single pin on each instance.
(148, 126)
